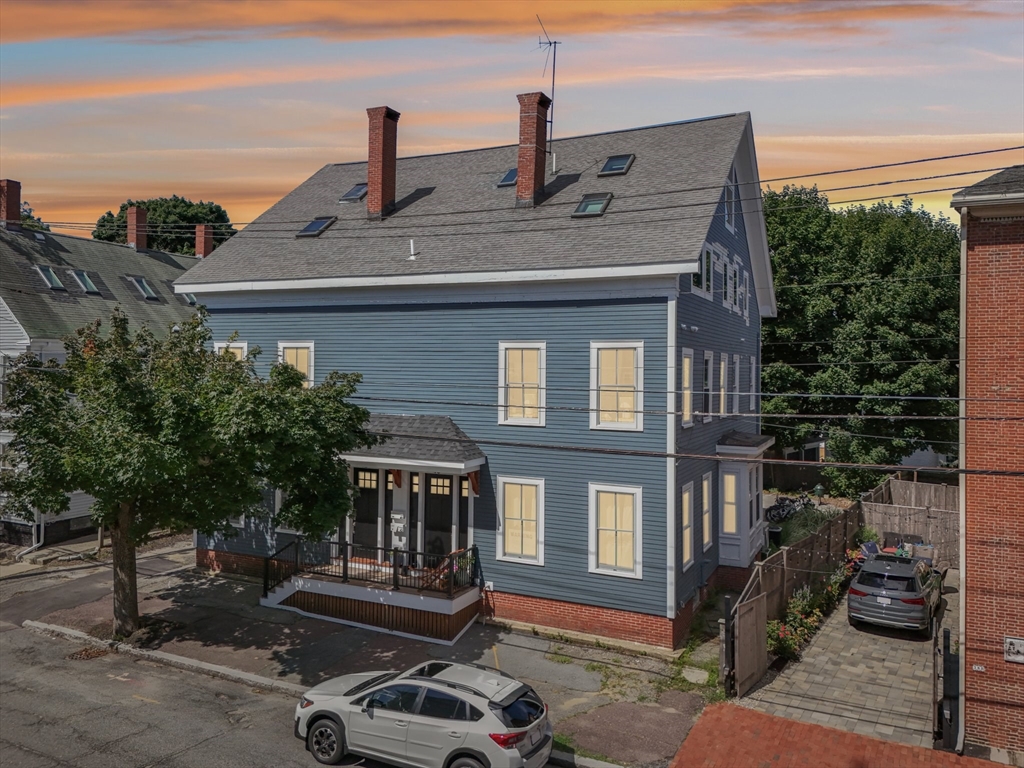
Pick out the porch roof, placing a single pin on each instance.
(736, 443)
(420, 441)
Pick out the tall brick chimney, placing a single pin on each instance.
(137, 229)
(204, 240)
(533, 127)
(10, 201)
(380, 165)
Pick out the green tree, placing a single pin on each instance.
(164, 433)
(29, 220)
(170, 222)
(861, 291)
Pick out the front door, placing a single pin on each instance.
(437, 535)
(367, 512)
(381, 726)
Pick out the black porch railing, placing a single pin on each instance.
(395, 568)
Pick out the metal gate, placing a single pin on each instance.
(947, 709)
(750, 643)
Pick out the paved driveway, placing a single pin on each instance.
(870, 680)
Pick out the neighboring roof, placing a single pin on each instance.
(1005, 186)
(48, 314)
(736, 439)
(432, 439)
(464, 224)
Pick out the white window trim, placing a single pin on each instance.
(705, 272)
(277, 510)
(753, 384)
(687, 388)
(687, 498)
(723, 384)
(734, 473)
(542, 346)
(220, 346)
(500, 533)
(746, 296)
(81, 283)
(638, 422)
(735, 383)
(709, 371)
(638, 517)
(281, 345)
(706, 518)
(730, 202)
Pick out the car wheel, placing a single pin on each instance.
(465, 762)
(326, 742)
(853, 622)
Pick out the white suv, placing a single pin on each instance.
(436, 715)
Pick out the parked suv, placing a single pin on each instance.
(895, 591)
(436, 715)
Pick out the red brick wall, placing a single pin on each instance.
(994, 532)
(229, 562)
(382, 152)
(532, 158)
(729, 577)
(594, 620)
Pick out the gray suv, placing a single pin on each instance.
(895, 591)
(436, 715)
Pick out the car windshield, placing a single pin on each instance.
(360, 687)
(522, 712)
(887, 581)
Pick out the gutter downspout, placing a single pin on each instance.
(962, 486)
(38, 532)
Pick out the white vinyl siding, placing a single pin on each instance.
(520, 520)
(521, 382)
(299, 355)
(687, 375)
(686, 502)
(616, 514)
(616, 385)
(705, 504)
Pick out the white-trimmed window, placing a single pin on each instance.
(299, 355)
(686, 501)
(616, 514)
(616, 385)
(730, 504)
(701, 279)
(730, 201)
(735, 383)
(709, 364)
(753, 384)
(237, 348)
(521, 381)
(723, 382)
(52, 281)
(520, 520)
(705, 505)
(687, 365)
(279, 498)
(83, 280)
(746, 296)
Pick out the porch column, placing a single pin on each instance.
(456, 494)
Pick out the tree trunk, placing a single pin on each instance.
(126, 591)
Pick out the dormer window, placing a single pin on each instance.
(52, 281)
(354, 195)
(144, 288)
(83, 279)
(616, 165)
(510, 177)
(316, 226)
(592, 205)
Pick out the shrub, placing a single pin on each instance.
(783, 641)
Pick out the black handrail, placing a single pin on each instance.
(278, 569)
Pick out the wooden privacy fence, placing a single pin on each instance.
(928, 510)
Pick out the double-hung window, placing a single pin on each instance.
(709, 363)
(299, 355)
(701, 279)
(521, 381)
(237, 349)
(687, 365)
(616, 385)
(521, 520)
(746, 296)
(735, 383)
(615, 530)
(705, 505)
(686, 500)
(723, 381)
(730, 503)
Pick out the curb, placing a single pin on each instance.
(171, 660)
(569, 760)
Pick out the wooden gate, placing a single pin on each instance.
(750, 636)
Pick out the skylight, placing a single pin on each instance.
(40, 237)
(85, 281)
(509, 179)
(52, 281)
(616, 165)
(592, 205)
(354, 195)
(144, 288)
(316, 226)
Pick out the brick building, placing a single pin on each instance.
(992, 517)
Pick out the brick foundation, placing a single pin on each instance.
(730, 578)
(230, 562)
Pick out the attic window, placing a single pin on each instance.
(592, 205)
(52, 281)
(83, 279)
(354, 195)
(144, 288)
(316, 226)
(616, 165)
(509, 179)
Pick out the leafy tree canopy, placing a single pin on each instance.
(868, 304)
(29, 220)
(170, 222)
(165, 433)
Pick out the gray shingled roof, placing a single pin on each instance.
(1008, 183)
(736, 439)
(444, 440)
(461, 221)
(49, 314)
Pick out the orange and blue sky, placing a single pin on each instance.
(239, 101)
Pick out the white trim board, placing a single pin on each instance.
(383, 596)
(414, 465)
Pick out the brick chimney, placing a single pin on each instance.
(533, 128)
(10, 201)
(204, 240)
(380, 164)
(137, 229)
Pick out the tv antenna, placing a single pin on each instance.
(552, 48)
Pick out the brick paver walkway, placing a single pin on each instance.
(730, 736)
(870, 680)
